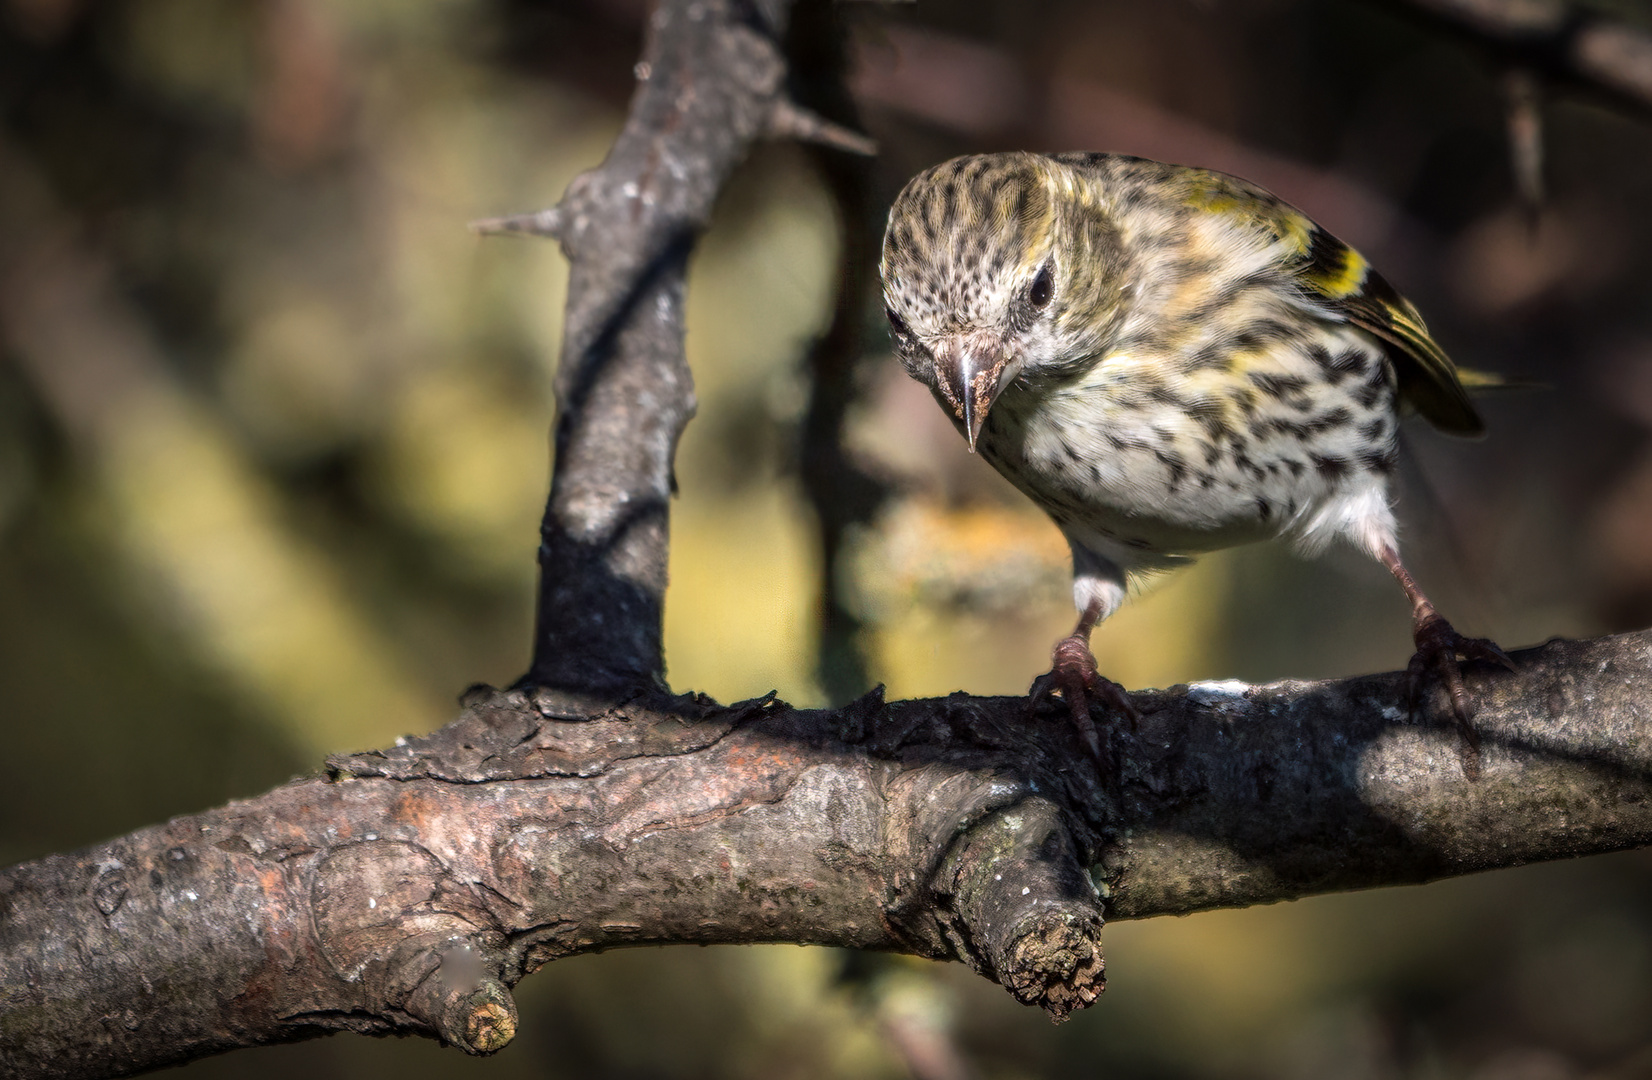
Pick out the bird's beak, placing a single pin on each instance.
(969, 376)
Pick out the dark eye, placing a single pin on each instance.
(896, 323)
(1042, 288)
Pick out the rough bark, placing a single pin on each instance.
(408, 889)
(710, 82)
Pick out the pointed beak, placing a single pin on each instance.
(968, 377)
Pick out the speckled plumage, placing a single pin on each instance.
(1168, 360)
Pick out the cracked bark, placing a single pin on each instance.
(407, 890)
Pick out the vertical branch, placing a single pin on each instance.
(841, 494)
(708, 85)
(710, 82)
(622, 403)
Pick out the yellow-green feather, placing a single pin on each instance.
(1427, 378)
(1331, 270)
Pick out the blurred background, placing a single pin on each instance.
(274, 446)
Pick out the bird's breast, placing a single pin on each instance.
(1152, 453)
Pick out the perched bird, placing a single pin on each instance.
(1168, 360)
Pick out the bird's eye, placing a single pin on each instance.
(1042, 288)
(896, 323)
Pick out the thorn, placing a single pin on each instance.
(789, 120)
(1525, 121)
(541, 223)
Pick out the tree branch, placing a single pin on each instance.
(410, 888)
(1587, 49)
(842, 494)
(711, 81)
(706, 83)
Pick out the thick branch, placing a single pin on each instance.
(409, 889)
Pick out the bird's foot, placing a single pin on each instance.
(1073, 672)
(1439, 646)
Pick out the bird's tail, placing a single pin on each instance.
(1480, 382)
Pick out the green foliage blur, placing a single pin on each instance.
(274, 444)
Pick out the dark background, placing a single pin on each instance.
(273, 447)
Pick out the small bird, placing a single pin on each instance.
(1168, 360)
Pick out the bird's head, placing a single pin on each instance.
(998, 267)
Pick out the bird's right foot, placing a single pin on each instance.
(1073, 672)
(1438, 647)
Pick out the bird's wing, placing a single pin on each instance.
(1337, 275)
(1338, 278)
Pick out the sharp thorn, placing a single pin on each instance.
(540, 223)
(789, 120)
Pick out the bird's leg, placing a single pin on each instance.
(1438, 647)
(1073, 672)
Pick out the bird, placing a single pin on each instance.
(1169, 361)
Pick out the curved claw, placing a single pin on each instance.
(1487, 650)
(1073, 672)
(1438, 647)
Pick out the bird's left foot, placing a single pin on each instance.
(1073, 672)
(1439, 646)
